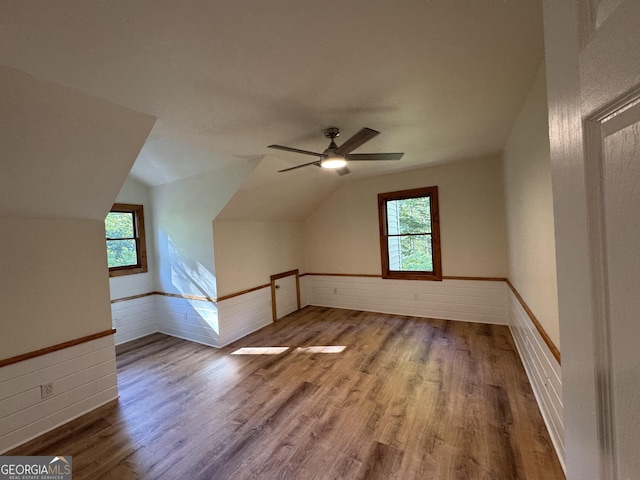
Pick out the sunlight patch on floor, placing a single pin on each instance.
(260, 351)
(322, 349)
(279, 350)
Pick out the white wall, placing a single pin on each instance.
(543, 371)
(65, 156)
(134, 318)
(53, 282)
(128, 285)
(532, 255)
(244, 314)
(248, 253)
(342, 235)
(83, 378)
(194, 320)
(529, 201)
(465, 300)
(183, 213)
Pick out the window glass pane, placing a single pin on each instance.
(414, 215)
(119, 225)
(412, 253)
(121, 253)
(409, 236)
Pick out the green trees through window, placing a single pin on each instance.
(126, 251)
(409, 234)
(121, 242)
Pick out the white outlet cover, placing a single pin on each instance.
(46, 390)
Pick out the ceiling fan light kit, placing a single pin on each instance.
(336, 157)
(333, 162)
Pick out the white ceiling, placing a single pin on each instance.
(442, 80)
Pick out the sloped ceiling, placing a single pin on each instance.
(64, 154)
(270, 196)
(441, 80)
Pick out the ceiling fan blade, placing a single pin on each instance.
(343, 171)
(295, 150)
(374, 156)
(317, 164)
(354, 142)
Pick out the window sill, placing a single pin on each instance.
(121, 271)
(412, 276)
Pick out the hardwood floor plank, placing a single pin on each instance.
(382, 463)
(406, 398)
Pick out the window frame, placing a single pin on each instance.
(139, 236)
(383, 198)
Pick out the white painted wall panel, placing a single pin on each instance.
(304, 291)
(465, 300)
(134, 318)
(195, 320)
(244, 314)
(543, 370)
(83, 376)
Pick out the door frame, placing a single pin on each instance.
(588, 78)
(613, 117)
(277, 276)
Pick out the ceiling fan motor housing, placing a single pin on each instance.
(332, 132)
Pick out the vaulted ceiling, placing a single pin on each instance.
(442, 80)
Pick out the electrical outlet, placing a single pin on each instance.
(46, 390)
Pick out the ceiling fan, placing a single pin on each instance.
(336, 157)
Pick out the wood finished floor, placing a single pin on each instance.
(408, 398)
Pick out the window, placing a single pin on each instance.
(126, 249)
(410, 234)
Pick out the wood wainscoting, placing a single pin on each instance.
(347, 394)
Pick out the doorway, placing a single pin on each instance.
(285, 293)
